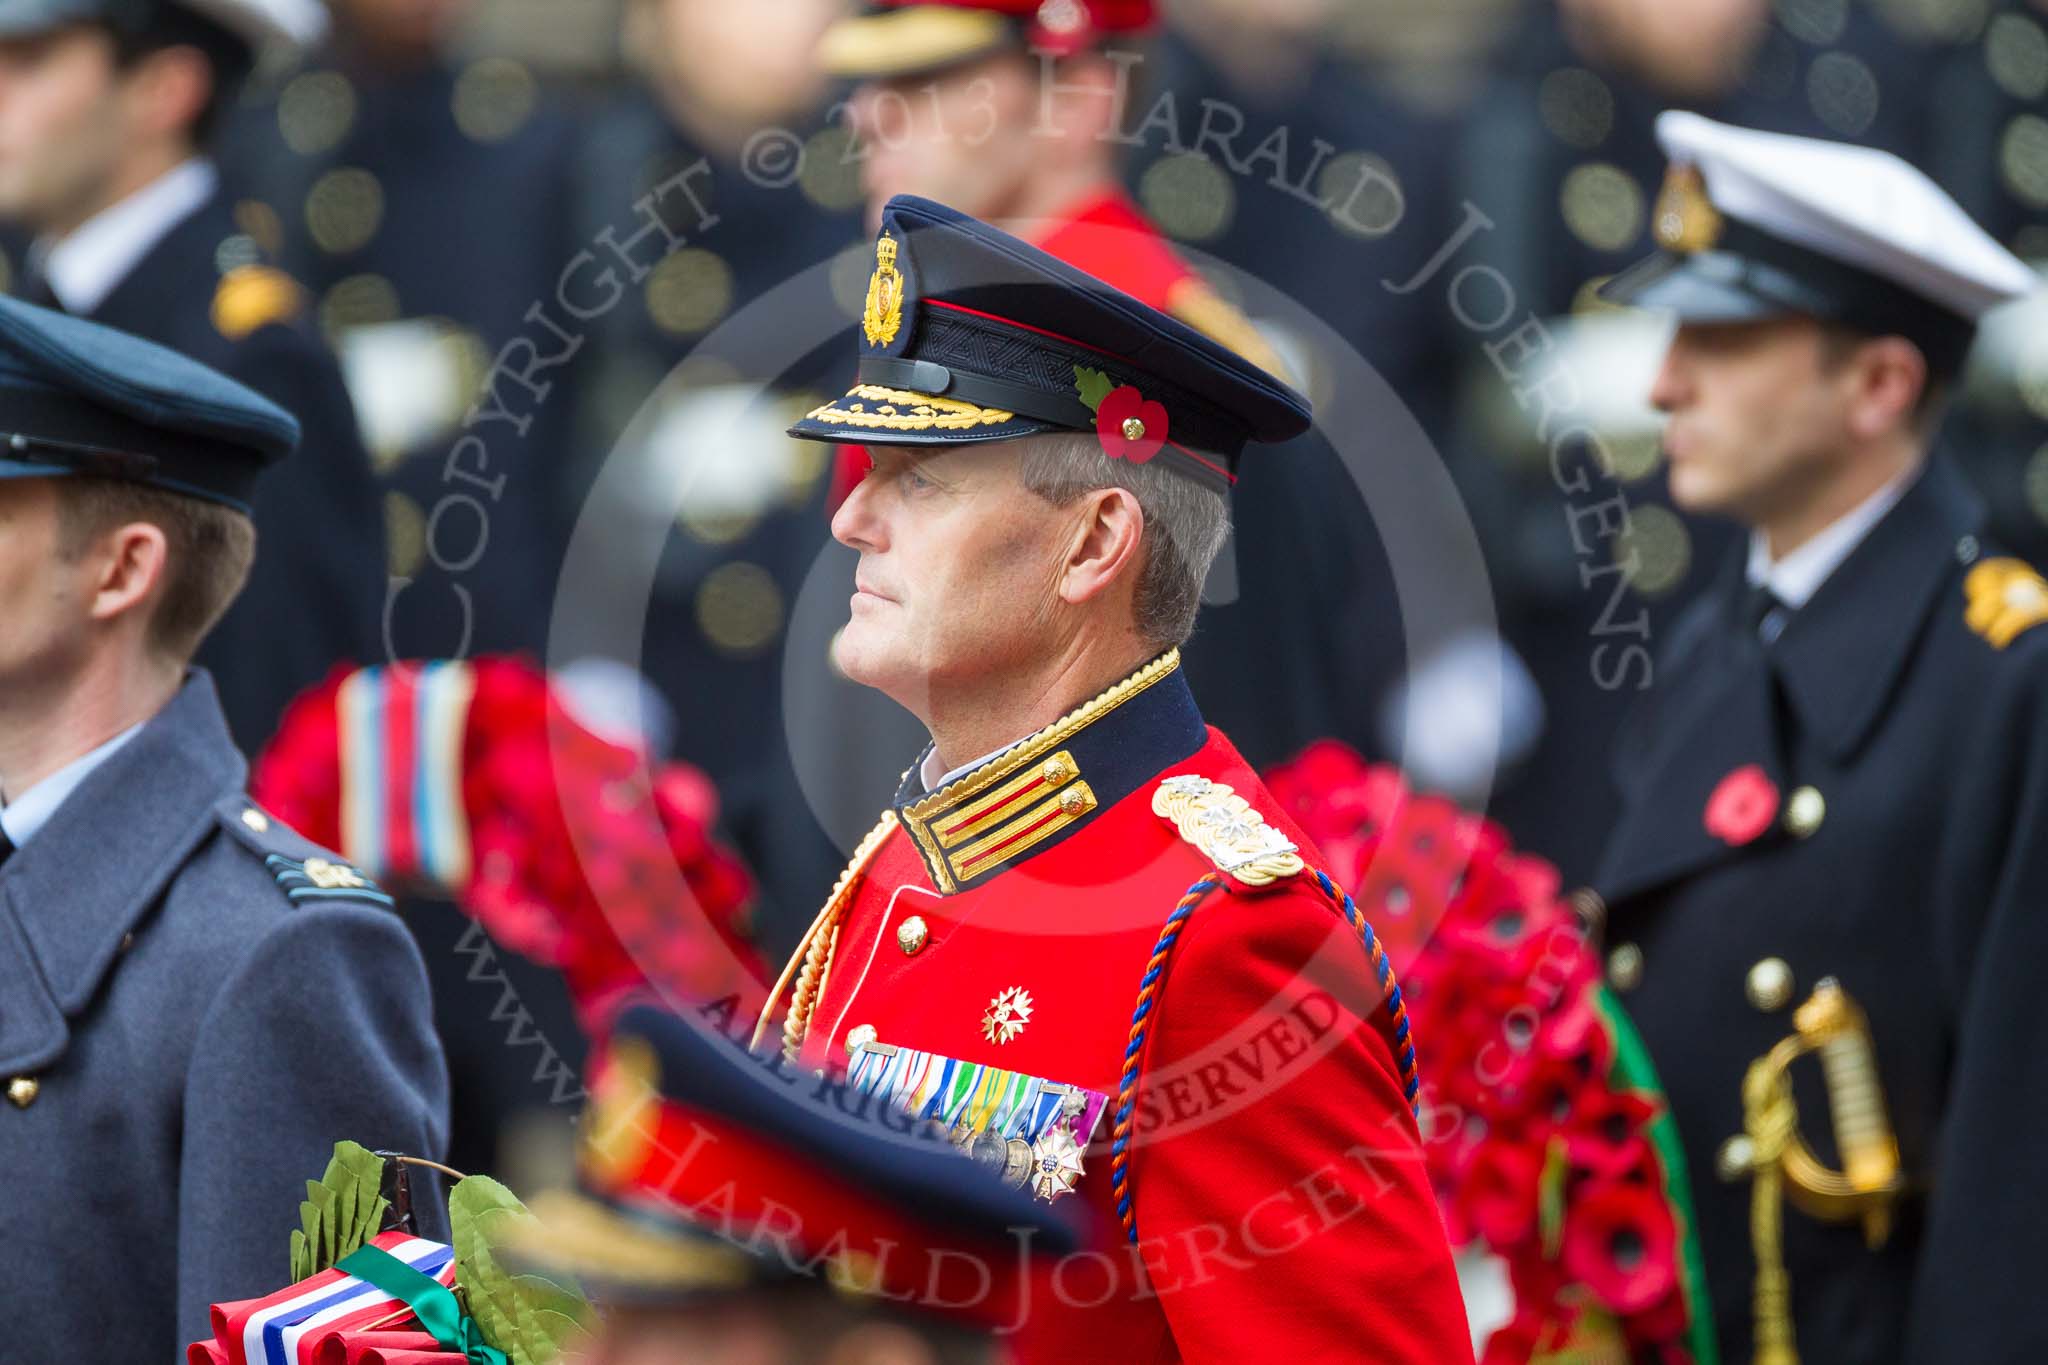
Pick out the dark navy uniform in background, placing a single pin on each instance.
(425, 208)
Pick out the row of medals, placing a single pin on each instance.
(1050, 1163)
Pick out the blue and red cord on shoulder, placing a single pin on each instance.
(1394, 1019)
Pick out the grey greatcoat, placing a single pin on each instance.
(187, 1024)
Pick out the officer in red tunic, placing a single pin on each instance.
(1082, 941)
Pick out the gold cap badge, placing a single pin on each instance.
(882, 315)
(1685, 220)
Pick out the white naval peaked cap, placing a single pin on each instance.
(1864, 207)
(277, 31)
(1755, 225)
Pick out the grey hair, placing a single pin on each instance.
(1185, 523)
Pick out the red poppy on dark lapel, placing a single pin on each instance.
(1742, 806)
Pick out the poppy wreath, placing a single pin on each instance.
(471, 780)
(1547, 1136)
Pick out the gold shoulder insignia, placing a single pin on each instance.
(1192, 300)
(253, 296)
(1229, 833)
(2006, 597)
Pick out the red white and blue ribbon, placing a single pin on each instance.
(401, 733)
(285, 1327)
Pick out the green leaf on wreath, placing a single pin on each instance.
(530, 1318)
(1550, 1198)
(342, 1210)
(1093, 386)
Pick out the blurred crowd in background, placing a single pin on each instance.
(576, 435)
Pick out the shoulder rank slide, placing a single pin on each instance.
(304, 870)
(1229, 833)
(323, 879)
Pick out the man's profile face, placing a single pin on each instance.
(1757, 416)
(44, 598)
(962, 136)
(959, 571)
(61, 124)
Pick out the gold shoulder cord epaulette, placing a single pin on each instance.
(812, 960)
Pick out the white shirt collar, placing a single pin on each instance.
(933, 779)
(1797, 577)
(30, 811)
(84, 266)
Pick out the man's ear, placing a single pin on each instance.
(129, 563)
(1109, 529)
(1887, 375)
(169, 88)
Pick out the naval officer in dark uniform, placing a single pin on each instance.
(1825, 891)
(106, 113)
(195, 1003)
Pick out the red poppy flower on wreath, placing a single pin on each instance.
(1620, 1242)
(1498, 1197)
(1609, 1133)
(1742, 806)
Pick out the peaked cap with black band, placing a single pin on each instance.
(77, 397)
(898, 39)
(1755, 225)
(969, 335)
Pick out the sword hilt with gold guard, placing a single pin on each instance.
(1831, 1024)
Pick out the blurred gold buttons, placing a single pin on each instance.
(1591, 908)
(912, 935)
(1625, 967)
(858, 1037)
(23, 1091)
(1769, 984)
(1804, 810)
(1735, 1158)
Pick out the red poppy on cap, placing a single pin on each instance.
(1131, 426)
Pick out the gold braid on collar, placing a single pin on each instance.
(956, 828)
(811, 963)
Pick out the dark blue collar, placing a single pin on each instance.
(1047, 787)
